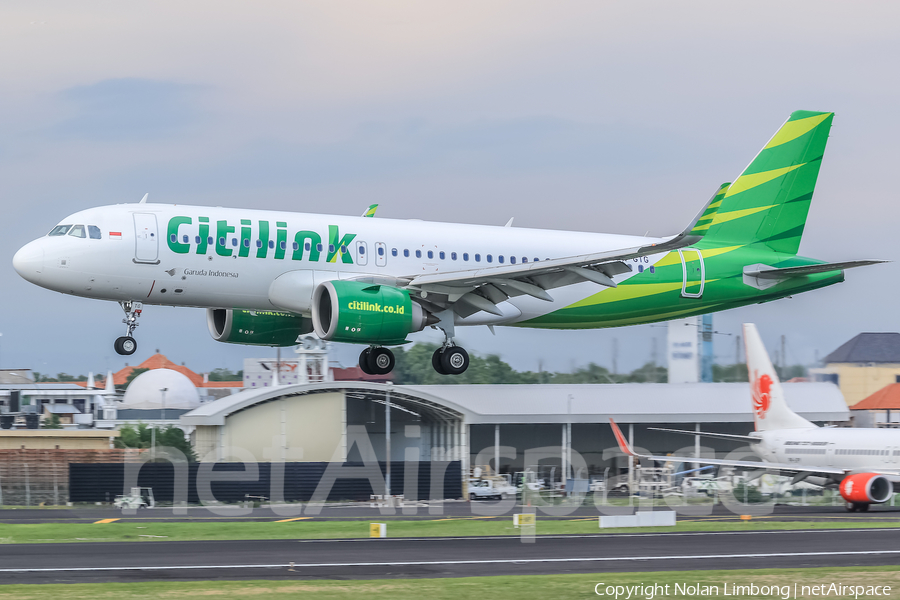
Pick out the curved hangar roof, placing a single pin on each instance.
(628, 402)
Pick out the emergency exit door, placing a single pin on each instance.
(693, 273)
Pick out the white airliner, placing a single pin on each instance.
(863, 462)
(266, 277)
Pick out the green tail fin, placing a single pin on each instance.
(768, 204)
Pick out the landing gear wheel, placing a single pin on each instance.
(125, 345)
(381, 361)
(862, 507)
(436, 361)
(364, 361)
(454, 360)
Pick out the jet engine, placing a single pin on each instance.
(256, 327)
(366, 313)
(862, 489)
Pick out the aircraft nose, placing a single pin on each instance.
(29, 261)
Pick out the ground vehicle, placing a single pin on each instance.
(140, 497)
(482, 488)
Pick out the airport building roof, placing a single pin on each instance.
(887, 398)
(628, 403)
(868, 348)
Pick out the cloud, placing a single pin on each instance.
(128, 109)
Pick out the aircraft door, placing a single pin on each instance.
(380, 254)
(146, 239)
(693, 273)
(361, 254)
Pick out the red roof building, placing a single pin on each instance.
(887, 398)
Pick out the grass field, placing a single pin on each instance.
(525, 586)
(125, 530)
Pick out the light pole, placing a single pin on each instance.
(387, 441)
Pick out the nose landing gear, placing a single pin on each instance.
(127, 345)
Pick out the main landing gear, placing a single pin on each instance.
(450, 360)
(126, 345)
(856, 506)
(376, 360)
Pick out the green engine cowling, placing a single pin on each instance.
(366, 313)
(256, 327)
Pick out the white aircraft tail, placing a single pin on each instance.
(770, 411)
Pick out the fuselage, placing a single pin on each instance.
(215, 257)
(856, 450)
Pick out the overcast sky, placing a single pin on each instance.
(608, 117)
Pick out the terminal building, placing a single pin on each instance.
(548, 425)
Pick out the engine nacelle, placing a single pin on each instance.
(866, 488)
(256, 327)
(366, 313)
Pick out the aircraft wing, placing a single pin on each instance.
(722, 436)
(626, 448)
(469, 291)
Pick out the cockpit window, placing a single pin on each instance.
(60, 230)
(93, 232)
(77, 231)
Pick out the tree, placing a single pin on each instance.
(223, 374)
(53, 422)
(141, 436)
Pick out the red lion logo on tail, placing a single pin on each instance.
(762, 394)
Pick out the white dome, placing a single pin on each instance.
(145, 391)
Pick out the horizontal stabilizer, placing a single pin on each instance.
(763, 276)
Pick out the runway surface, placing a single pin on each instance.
(444, 557)
(425, 511)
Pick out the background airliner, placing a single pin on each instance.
(267, 277)
(863, 462)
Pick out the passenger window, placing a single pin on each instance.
(430, 254)
(318, 247)
(209, 241)
(271, 244)
(330, 247)
(490, 258)
(185, 239)
(393, 252)
(406, 253)
(500, 258)
(246, 242)
(380, 251)
(418, 254)
(259, 243)
(234, 241)
(343, 249)
(59, 230)
(453, 256)
(197, 239)
(295, 246)
(524, 259)
(307, 246)
(93, 232)
(283, 245)
(465, 256)
(477, 258)
(362, 249)
(512, 260)
(442, 255)
(172, 237)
